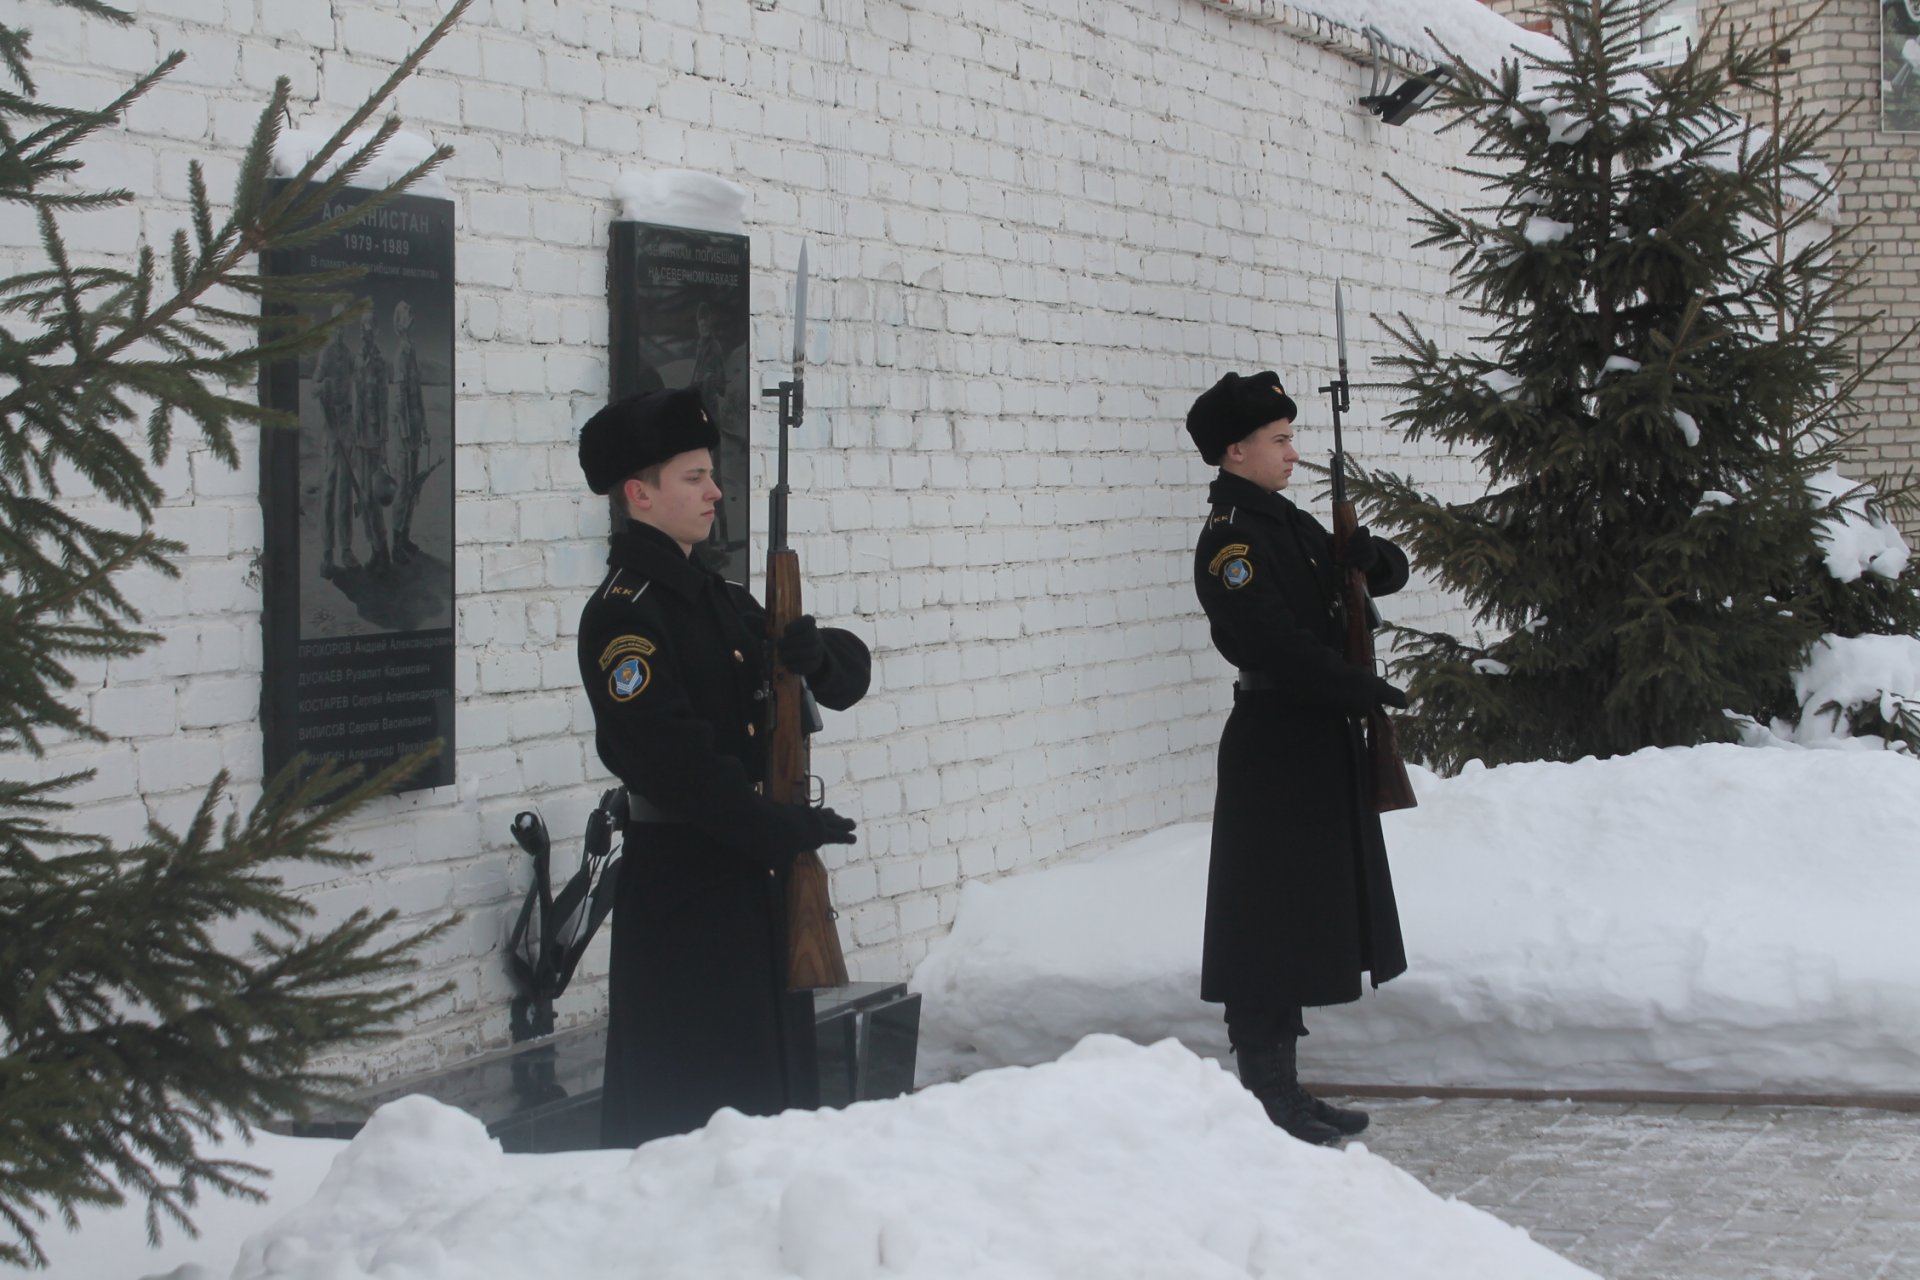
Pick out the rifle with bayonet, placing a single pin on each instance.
(814, 958)
(1387, 779)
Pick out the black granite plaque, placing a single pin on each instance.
(358, 566)
(1900, 66)
(678, 315)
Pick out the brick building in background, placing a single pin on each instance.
(1836, 66)
(1036, 231)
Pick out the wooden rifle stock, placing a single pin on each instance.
(1387, 779)
(814, 958)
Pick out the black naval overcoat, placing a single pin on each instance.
(672, 657)
(1299, 900)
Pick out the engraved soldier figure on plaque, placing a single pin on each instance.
(411, 419)
(375, 481)
(333, 373)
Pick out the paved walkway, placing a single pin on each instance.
(1639, 1191)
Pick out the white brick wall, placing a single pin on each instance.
(1037, 230)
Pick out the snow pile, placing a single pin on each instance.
(388, 165)
(1710, 918)
(1856, 540)
(682, 198)
(1115, 1162)
(1844, 673)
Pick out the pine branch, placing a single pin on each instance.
(136, 1035)
(134, 1027)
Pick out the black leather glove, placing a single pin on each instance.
(1362, 551)
(800, 647)
(1391, 697)
(829, 827)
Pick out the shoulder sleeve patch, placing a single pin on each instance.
(629, 679)
(1227, 553)
(622, 646)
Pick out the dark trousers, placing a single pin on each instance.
(1250, 1028)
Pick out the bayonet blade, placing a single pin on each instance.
(1340, 324)
(800, 312)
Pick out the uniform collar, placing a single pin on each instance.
(1230, 490)
(652, 554)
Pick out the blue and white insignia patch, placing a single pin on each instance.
(1236, 573)
(629, 679)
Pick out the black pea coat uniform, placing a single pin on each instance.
(673, 659)
(1299, 900)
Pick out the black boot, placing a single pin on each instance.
(1269, 1074)
(1348, 1120)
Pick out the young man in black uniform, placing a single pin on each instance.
(1299, 901)
(674, 659)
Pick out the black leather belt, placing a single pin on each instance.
(641, 809)
(1255, 681)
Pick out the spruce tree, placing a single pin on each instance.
(1662, 373)
(134, 1026)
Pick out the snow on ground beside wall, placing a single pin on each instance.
(1711, 918)
(1706, 918)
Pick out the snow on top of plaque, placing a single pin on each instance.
(682, 198)
(402, 152)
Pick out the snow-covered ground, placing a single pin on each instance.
(111, 1244)
(1711, 918)
(1118, 1161)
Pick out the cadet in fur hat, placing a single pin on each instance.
(673, 659)
(1299, 900)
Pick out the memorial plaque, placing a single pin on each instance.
(678, 315)
(358, 563)
(1900, 66)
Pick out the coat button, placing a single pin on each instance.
(749, 731)
(739, 656)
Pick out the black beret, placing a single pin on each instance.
(1234, 408)
(636, 433)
